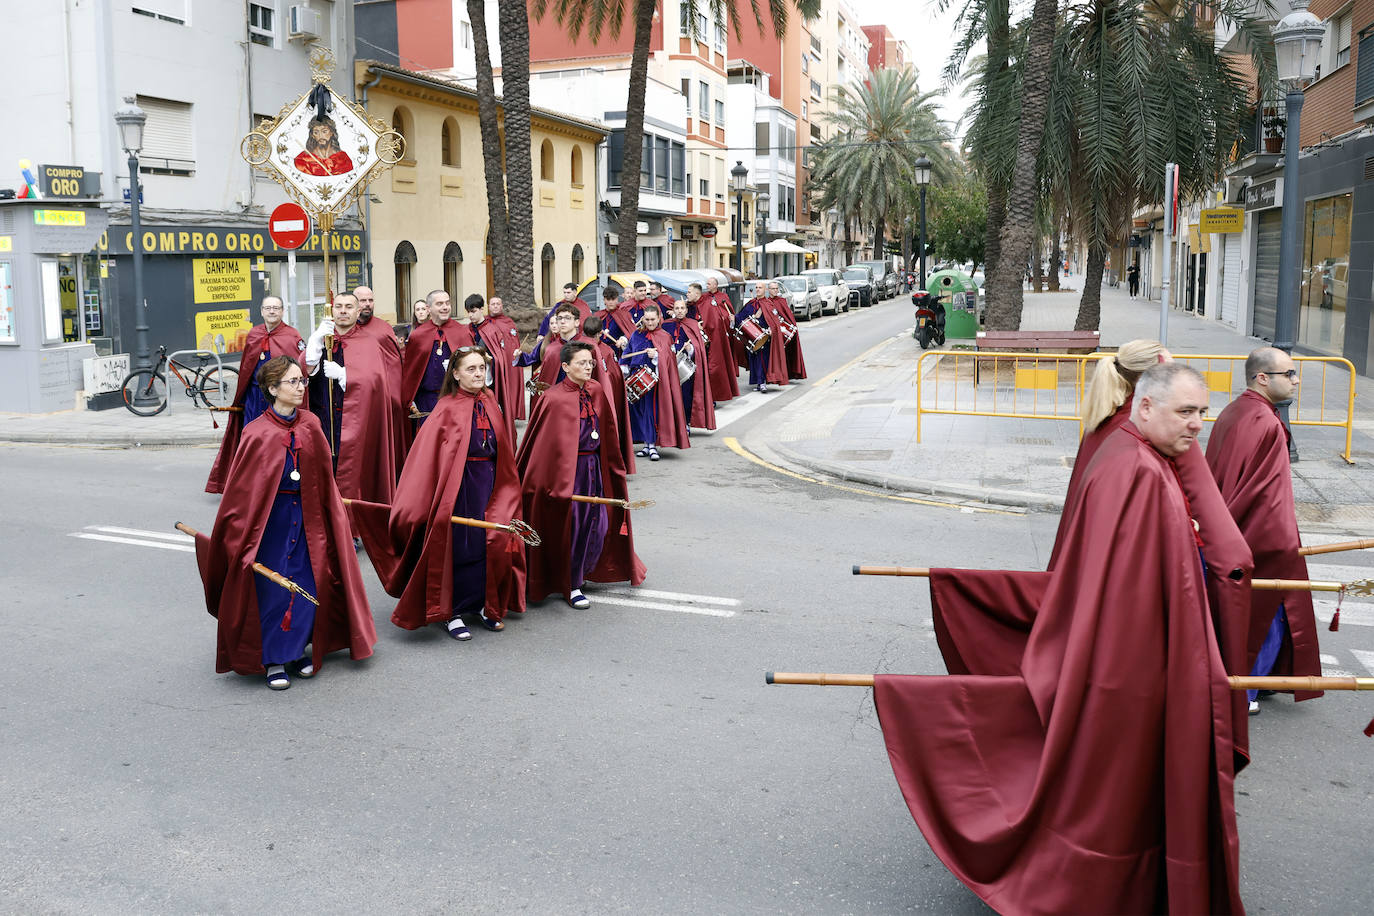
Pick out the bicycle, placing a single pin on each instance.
(207, 384)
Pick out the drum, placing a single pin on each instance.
(789, 331)
(686, 364)
(639, 383)
(755, 334)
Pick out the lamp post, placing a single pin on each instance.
(922, 166)
(761, 202)
(1297, 42)
(737, 176)
(131, 119)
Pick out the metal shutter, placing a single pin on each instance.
(1267, 273)
(1230, 280)
(1364, 67)
(167, 135)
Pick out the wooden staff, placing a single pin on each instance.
(608, 501)
(1358, 587)
(1234, 682)
(515, 526)
(226, 409)
(263, 571)
(328, 354)
(921, 571)
(1361, 544)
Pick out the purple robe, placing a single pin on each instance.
(286, 619)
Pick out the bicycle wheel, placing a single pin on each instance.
(218, 386)
(145, 392)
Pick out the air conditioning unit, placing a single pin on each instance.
(304, 22)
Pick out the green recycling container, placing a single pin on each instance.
(959, 294)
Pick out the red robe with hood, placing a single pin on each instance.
(343, 620)
(672, 418)
(420, 348)
(777, 353)
(1248, 454)
(703, 408)
(607, 372)
(1098, 777)
(796, 365)
(506, 379)
(381, 331)
(715, 317)
(411, 543)
(260, 346)
(504, 326)
(374, 428)
(548, 461)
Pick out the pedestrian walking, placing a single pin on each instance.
(1133, 279)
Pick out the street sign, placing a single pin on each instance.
(289, 226)
(1222, 219)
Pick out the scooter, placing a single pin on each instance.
(930, 318)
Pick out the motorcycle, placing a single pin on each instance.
(930, 319)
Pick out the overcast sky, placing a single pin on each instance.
(928, 33)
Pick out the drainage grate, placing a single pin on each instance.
(1030, 440)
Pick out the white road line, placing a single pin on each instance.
(139, 532)
(118, 540)
(596, 598)
(1312, 539)
(674, 596)
(1330, 571)
(1364, 657)
(1329, 659)
(1355, 615)
(735, 408)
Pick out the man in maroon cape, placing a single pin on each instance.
(572, 431)
(427, 356)
(696, 391)
(1098, 777)
(1248, 453)
(545, 359)
(570, 297)
(343, 619)
(410, 544)
(774, 368)
(354, 389)
(367, 322)
(271, 338)
(506, 377)
(390, 349)
(663, 300)
(510, 335)
(796, 364)
(607, 372)
(714, 314)
(618, 319)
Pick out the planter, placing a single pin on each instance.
(1273, 144)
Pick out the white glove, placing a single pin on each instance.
(446, 362)
(314, 348)
(653, 356)
(336, 372)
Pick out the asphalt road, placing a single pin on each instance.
(628, 758)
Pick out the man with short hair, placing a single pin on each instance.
(506, 378)
(715, 314)
(496, 314)
(427, 356)
(570, 297)
(618, 322)
(661, 298)
(639, 297)
(796, 364)
(1248, 453)
(1098, 775)
(768, 364)
(657, 418)
(545, 358)
(274, 337)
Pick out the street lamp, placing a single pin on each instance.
(922, 166)
(131, 119)
(1297, 41)
(761, 203)
(737, 176)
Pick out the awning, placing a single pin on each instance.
(779, 246)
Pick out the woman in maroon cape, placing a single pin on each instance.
(571, 446)
(282, 509)
(270, 339)
(462, 463)
(657, 418)
(607, 372)
(697, 401)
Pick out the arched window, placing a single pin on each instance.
(546, 273)
(453, 272)
(577, 263)
(577, 166)
(404, 124)
(546, 161)
(450, 150)
(405, 260)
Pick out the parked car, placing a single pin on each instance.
(802, 296)
(859, 279)
(885, 277)
(834, 291)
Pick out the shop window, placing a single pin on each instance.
(1323, 293)
(453, 272)
(546, 261)
(405, 262)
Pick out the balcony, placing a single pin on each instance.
(1261, 149)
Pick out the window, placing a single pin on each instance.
(646, 163)
(546, 161)
(166, 10)
(400, 122)
(1342, 36)
(577, 259)
(806, 114)
(450, 149)
(761, 146)
(404, 260)
(661, 165)
(615, 157)
(465, 34)
(806, 63)
(720, 178)
(678, 166)
(704, 109)
(704, 174)
(684, 25)
(720, 112)
(816, 90)
(262, 24)
(720, 38)
(687, 92)
(167, 140)
(546, 274)
(453, 273)
(577, 166)
(816, 47)
(1323, 296)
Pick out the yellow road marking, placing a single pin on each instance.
(733, 444)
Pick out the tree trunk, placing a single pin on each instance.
(999, 41)
(1090, 304)
(493, 170)
(848, 241)
(627, 233)
(909, 246)
(518, 287)
(1004, 282)
(1037, 271)
(879, 231)
(1056, 255)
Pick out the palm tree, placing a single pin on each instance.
(880, 130)
(592, 17)
(506, 162)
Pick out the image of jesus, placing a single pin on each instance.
(322, 155)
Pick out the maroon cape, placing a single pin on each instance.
(374, 430)
(618, 322)
(551, 359)
(716, 316)
(420, 347)
(1248, 454)
(672, 418)
(1098, 779)
(607, 372)
(411, 543)
(548, 462)
(777, 353)
(343, 619)
(261, 345)
(506, 379)
(796, 365)
(505, 328)
(703, 408)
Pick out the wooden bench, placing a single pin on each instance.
(1033, 342)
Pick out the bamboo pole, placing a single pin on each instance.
(1363, 586)
(921, 571)
(1362, 544)
(516, 526)
(609, 501)
(263, 571)
(1234, 682)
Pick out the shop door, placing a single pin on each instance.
(1267, 273)
(1230, 280)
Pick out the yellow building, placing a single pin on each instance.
(429, 213)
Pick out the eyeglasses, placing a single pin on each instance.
(1292, 374)
(298, 381)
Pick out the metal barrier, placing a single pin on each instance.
(1050, 386)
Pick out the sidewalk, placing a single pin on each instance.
(861, 426)
(179, 425)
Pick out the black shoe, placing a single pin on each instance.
(303, 667)
(278, 680)
(491, 623)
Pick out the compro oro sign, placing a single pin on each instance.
(1222, 219)
(217, 280)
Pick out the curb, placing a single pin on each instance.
(108, 440)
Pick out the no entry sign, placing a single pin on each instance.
(289, 226)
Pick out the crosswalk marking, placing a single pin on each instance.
(601, 598)
(1364, 657)
(676, 596)
(92, 536)
(176, 536)
(736, 408)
